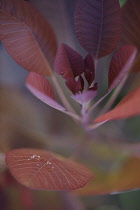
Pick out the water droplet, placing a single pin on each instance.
(48, 163)
(52, 167)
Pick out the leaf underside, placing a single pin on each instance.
(42, 89)
(27, 36)
(129, 106)
(98, 25)
(38, 169)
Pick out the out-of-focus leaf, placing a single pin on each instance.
(129, 106)
(21, 118)
(120, 64)
(27, 36)
(115, 170)
(122, 2)
(68, 63)
(42, 89)
(136, 65)
(131, 22)
(38, 169)
(98, 25)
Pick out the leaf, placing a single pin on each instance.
(68, 63)
(42, 89)
(38, 169)
(75, 86)
(136, 64)
(115, 170)
(27, 36)
(87, 96)
(89, 71)
(98, 25)
(127, 178)
(129, 106)
(21, 118)
(131, 23)
(120, 64)
(122, 2)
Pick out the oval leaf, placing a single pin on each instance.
(129, 106)
(68, 63)
(42, 89)
(27, 36)
(39, 169)
(120, 64)
(98, 25)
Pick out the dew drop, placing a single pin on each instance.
(48, 163)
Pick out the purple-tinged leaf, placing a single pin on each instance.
(136, 64)
(83, 98)
(89, 69)
(68, 63)
(42, 89)
(98, 25)
(39, 169)
(129, 106)
(87, 96)
(75, 86)
(131, 23)
(120, 64)
(27, 36)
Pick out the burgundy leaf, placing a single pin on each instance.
(129, 106)
(39, 169)
(120, 64)
(136, 64)
(131, 23)
(89, 69)
(27, 36)
(98, 25)
(68, 63)
(75, 86)
(42, 89)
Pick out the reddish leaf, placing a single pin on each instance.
(136, 65)
(68, 63)
(129, 106)
(39, 169)
(75, 86)
(89, 69)
(27, 36)
(98, 25)
(42, 89)
(120, 64)
(131, 22)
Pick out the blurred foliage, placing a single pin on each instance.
(122, 2)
